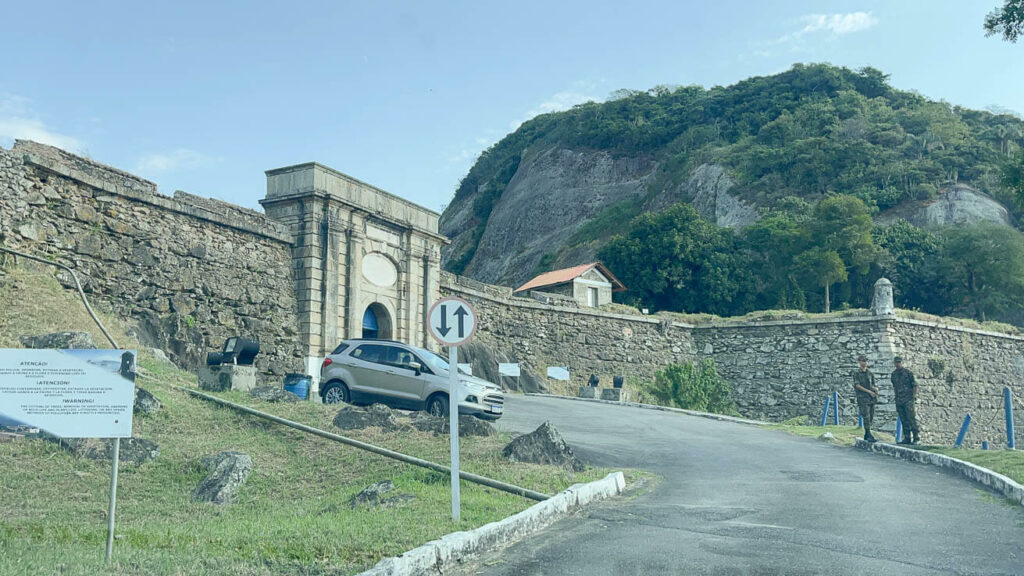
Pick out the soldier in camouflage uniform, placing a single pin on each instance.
(905, 387)
(867, 395)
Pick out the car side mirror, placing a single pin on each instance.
(416, 366)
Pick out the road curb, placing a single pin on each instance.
(721, 417)
(1010, 489)
(438, 556)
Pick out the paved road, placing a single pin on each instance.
(738, 499)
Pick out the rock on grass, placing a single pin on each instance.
(543, 446)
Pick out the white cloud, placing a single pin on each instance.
(462, 158)
(18, 121)
(174, 161)
(837, 24)
(828, 26)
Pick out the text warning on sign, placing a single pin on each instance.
(68, 393)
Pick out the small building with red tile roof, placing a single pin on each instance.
(588, 284)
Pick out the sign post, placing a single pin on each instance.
(71, 394)
(451, 321)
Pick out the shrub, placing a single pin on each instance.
(693, 387)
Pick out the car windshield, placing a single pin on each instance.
(438, 364)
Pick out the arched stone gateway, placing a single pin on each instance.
(366, 262)
(377, 322)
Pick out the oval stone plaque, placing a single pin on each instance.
(379, 270)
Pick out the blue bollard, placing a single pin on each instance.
(1008, 408)
(835, 405)
(860, 420)
(963, 431)
(824, 413)
(984, 444)
(899, 429)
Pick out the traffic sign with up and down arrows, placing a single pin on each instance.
(451, 321)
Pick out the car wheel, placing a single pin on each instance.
(336, 393)
(437, 406)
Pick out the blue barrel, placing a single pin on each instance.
(298, 384)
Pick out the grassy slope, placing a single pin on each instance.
(292, 516)
(1009, 463)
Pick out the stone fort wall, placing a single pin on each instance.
(192, 271)
(778, 369)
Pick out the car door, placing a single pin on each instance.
(399, 379)
(367, 372)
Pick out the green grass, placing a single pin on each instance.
(292, 517)
(844, 435)
(1009, 463)
(760, 316)
(964, 322)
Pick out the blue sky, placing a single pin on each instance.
(205, 96)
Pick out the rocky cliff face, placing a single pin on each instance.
(708, 189)
(959, 205)
(556, 191)
(552, 193)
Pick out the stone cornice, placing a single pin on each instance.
(347, 178)
(354, 208)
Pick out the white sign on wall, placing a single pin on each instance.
(508, 369)
(558, 372)
(466, 368)
(68, 393)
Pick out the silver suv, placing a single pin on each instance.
(365, 371)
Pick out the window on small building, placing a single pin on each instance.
(592, 297)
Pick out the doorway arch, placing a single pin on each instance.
(377, 322)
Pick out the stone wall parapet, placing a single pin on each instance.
(459, 286)
(114, 181)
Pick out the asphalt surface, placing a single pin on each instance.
(738, 499)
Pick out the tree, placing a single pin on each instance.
(821, 267)
(770, 245)
(1007, 21)
(985, 265)
(676, 260)
(1013, 176)
(843, 224)
(908, 255)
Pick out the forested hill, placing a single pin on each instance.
(767, 150)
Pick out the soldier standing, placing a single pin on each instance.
(905, 387)
(867, 395)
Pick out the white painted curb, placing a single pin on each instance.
(1001, 484)
(721, 417)
(438, 556)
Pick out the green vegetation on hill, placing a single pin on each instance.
(821, 150)
(293, 516)
(811, 130)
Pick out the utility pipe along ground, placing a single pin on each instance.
(511, 489)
